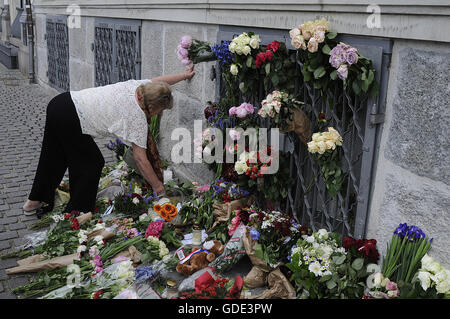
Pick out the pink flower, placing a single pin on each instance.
(232, 111)
(248, 107)
(390, 285)
(203, 188)
(154, 229)
(241, 112)
(133, 232)
(119, 259)
(186, 61)
(182, 53)
(186, 41)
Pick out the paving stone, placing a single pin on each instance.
(17, 281)
(3, 275)
(8, 220)
(7, 295)
(8, 263)
(4, 245)
(17, 226)
(2, 228)
(14, 212)
(8, 235)
(1, 287)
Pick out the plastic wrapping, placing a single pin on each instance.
(188, 284)
(233, 251)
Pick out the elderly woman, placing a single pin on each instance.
(73, 118)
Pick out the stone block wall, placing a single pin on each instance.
(412, 183)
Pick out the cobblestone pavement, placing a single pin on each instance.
(22, 118)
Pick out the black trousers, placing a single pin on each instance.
(65, 147)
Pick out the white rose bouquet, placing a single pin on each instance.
(324, 145)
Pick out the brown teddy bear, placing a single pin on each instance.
(199, 260)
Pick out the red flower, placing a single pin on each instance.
(268, 55)
(97, 294)
(260, 59)
(274, 46)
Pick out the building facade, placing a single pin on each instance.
(81, 44)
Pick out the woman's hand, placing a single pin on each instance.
(189, 72)
(146, 169)
(158, 188)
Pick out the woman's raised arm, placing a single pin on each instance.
(175, 78)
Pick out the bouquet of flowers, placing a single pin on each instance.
(155, 250)
(194, 51)
(408, 246)
(323, 269)
(352, 68)
(167, 211)
(286, 114)
(207, 287)
(365, 248)
(275, 234)
(245, 47)
(165, 231)
(433, 278)
(324, 145)
(381, 288)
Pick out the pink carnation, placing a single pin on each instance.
(154, 229)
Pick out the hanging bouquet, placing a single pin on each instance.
(275, 234)
(118, 147)
(245, 47)
(354, 69)
(194, 51)
(286, 114)
(253, 167)
(324, 146)
(225, 192)
(278, 65)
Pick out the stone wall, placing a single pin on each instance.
(412, 181)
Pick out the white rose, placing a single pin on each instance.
(377, 279)
(246, 50)
(135, 200)
(312, 147)
(313, 45)
(330, 145)
(321, 147)
(254, 43)
(310, 239)
(298, 42)
(425, 279)
(234, 69)
(232, 46)
(240, 167)
(294, 32)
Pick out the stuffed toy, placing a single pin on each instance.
(200, 258)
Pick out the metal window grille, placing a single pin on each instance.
(357, 121)
(116, 50)
(57, 38)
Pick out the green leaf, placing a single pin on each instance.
(356, 88)
(319, 72)
(331, 35)
(331, 284)
(338, 260)
(358, 263)
(267, 68)
(333, 75)
(249, 61)
(326, 49)
(275, 80)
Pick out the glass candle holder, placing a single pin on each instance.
(196, 235)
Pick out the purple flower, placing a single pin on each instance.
(342, 72)
(352, 56)
(232, 111)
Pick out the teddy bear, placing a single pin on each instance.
(200, 258)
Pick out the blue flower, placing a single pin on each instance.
(145, 273)
(254, 234)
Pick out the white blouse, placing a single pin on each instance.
(112, 110)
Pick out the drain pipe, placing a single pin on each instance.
(30, 38)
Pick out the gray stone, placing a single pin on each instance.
(8, 235)
(418, 139)
(4, 245)
(14, 212)
(17, 281)
(7, 295)
(17, 226)
(417, 204)
(1, 287)
(8, 220)
(185, 111)
(7, 263)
